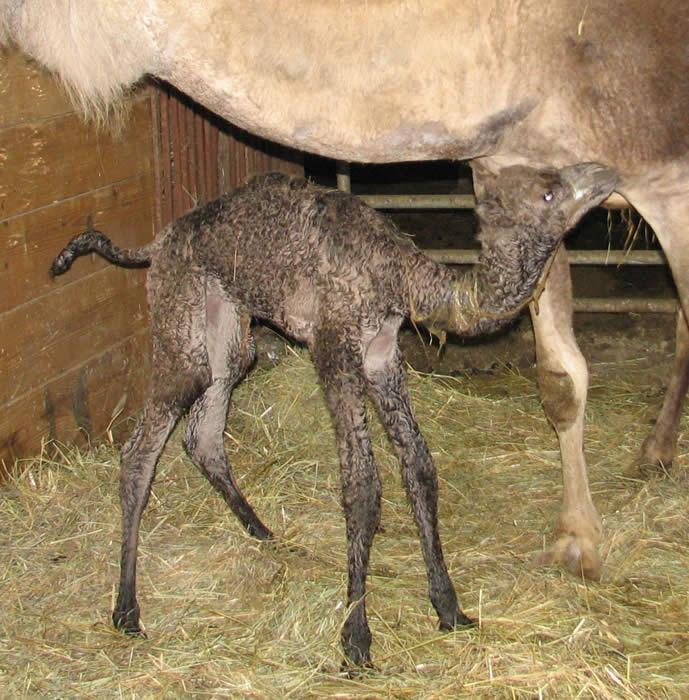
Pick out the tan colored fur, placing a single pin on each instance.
(389, 80)
(97, 49)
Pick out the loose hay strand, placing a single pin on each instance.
(227, 615)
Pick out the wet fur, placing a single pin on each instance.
(337, 275)
(500, 83)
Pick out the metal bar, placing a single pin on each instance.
(625, 304)
(435, 201)
(344, 180)
(417, 201)
(453, 256)
(616, 257)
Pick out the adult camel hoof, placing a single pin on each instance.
(654, 460)
(579, 556)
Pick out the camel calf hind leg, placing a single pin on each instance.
(230, 350)
(137, 470)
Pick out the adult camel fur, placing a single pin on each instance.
(499, 82)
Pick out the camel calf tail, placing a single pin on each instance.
(96, 242)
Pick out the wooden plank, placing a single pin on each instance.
(27, 92)
(286, 160)
(166, 204)
(252, 156)
(59, 331)
(175, 157)
(213, 160)
(241, 155)
(236, 160)
(210, 159)
(28, 244)
(201, 161)
(79, 403)
(190, 188)
(182, 157)
(189, 168)
(58, 158)
(224, 164)
(72, 349)
(157, 131)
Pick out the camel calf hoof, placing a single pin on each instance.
(128, 622)
(353, 672)
(459, 620)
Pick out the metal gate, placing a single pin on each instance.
(576, 257)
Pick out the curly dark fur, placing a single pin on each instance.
(96, 242)
(339, 276)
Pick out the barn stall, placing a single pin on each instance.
(224, 614)
(75, 350)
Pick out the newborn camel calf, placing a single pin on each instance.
(337, 275)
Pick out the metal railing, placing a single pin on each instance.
(456, 256)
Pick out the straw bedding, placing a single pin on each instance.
(228, 616)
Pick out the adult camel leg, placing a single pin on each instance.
(658, 449)
(563, 381)
(666, 209)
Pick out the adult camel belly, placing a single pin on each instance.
(391, 80)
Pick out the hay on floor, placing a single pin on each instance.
(228, 616)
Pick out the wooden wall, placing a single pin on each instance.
(74, 351)
(203, 156)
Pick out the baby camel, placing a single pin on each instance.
(337, 275)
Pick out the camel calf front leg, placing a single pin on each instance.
(388, 388)
(563, 381)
